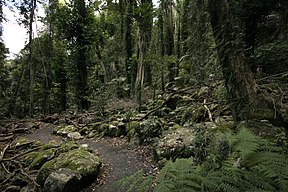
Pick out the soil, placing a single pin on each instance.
(120, 159)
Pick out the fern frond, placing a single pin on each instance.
(136, 182)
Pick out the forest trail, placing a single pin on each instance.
(119, 159)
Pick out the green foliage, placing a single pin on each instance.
(148, 130)
(180, 175)
(272, 58)
(136, 182)
(251, 164)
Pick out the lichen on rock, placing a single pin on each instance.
(79, 160)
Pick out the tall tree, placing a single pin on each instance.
(240, 81)
(32, 7)
(144, 18)
(169, 45)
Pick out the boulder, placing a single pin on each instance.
(80, 160)
(74, 136)
(175, 143)
(145, 131)
(64, 130)
(62, 180)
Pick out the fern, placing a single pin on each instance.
(253, 164)
(136, 182)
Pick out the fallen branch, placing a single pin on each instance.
(165, 102)
(72, 122)
(21, 170)
(2, 157)
(208, 110)
(6, 138)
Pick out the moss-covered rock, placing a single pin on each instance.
(42, 158)
(192, 114)
(80, 160)
(50, 151)
(145, 131)
(45, 171)
(28, 158)
(64, 130)
(175, 143)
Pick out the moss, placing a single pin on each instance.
(94, 126)
(42, 158)
(45, 171)
(262, 113)
(131, 128)
(176, 126)
(79, 160)
(66, 147)
(64, 130)
(28, 158)
(51, 144)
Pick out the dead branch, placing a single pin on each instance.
(72, 122)
(6, 138)
(21, 130)
(21, 170)
(208, 110)
(2, 157)
(24, 153)
(165, 102)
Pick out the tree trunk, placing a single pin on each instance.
(170, 40)
(284, 23)
(31, 65)
(161, 43)
(185, 23)
(239, 79)
(129, 70)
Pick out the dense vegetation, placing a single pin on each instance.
(234, 53)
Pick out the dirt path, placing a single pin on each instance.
(119, 159)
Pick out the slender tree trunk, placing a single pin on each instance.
(141, 69)
(129, 70)
(170, 40)
(161, 43)
(31, 65)
(102, 64)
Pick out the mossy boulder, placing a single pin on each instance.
(112, 129)
(48, 154)
(28, 158)
(175, 143)
(42, 158)
(144, 132)
(191, 115)
(64, 130)
(79, 160)
(62, 180)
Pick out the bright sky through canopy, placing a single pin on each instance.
(15, 36)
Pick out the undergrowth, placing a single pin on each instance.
(239, 162)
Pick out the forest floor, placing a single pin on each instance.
(120, 159)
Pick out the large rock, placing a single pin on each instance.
(64, 130)
(62, 180)
(80, 160)
(74, 136)
(145, 131)
(175, 143)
